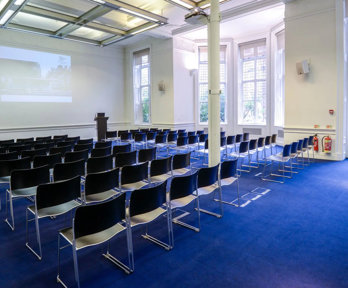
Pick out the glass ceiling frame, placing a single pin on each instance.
(190, 4)
(87, 19)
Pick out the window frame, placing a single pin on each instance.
(279, 82)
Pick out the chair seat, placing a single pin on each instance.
(55, 210)
(207, 189)
(181, 202)
(134, 186)
(278, 158)
(24, 192)
(147, 217)
(237, 155)
(160, 178)
(92, 239)
(181, 171)
(98, 197)
(5, 179)
(227, 181)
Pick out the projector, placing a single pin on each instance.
(196, 16)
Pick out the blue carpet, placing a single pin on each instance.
(294, 236)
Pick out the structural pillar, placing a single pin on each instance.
(214, 83)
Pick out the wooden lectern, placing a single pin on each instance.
(101, 122)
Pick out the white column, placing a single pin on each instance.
(214, 83)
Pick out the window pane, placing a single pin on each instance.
(248, 70)
(145, 59)
(203, 54)
(222, 72)
(261, 51)
(261, 90)
(248, 91)
(203, 73)
(248, 53)
(248, 111)
(144, 93)
(260, 112)
(203, 115)
(261, 69)
(203, 93)
(144, 76)
(146, 110)
(222, 111)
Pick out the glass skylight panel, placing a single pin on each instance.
(3, 4)
(120, 20)
(92, 34)
(37, 22)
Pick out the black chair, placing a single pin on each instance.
(207, 183)
(181, 145)
(252, 150)
(3, 150)
(222, 134)
(181, 131)
(183, 134)
(52, 200)
(85, 141)
(5, 143)
(193, 143)
(101, 186)
(49, 160)
(33, 153)
(99, 152)
(191, 133)
(19, 148)
(25, 140)
(245, 136)
(231, 142)
(125, 159)
(44, 138)
(94, 225)
(273, 143)
(127, 137)
(161, 169)
(242, 154)
(71, 144)
(267, 144)
(140, 140)
(46, 145)
(121, 148)
(134, 177)
(172, 139)
(23, 184)
(228, 175)
(183, 191)
(64, 171)
(111, 134)
(161, 141)
(120, 132)
(181, 164)
(146, 155)
(73, 139)
(9, 156)
(61, 150)
(199, 132)
(202, 139)
(80, 147)
(150, 137)
(239, 139)
(7, 166)
(99, 164)
(103, 144)
(60, 136)
(76, 155)
(146, 205)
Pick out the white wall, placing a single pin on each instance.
(162, 103)
(97, 86)
(310, 33)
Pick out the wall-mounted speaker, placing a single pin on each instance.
(302, 67)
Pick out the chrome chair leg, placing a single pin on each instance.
(76, 267)
(9, 199)
(38, 255)
(176, 220)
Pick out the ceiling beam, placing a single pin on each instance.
(132, 10)
(83, 20)
(6, 11)
(185, 4)
(70, 19)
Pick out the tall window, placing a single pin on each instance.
(203, 84)
(253, 83)
(142, 88)
(279, 80)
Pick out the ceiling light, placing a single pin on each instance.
(182, 3)
(19, 2)
(138, 14)
(208, 4)
(144, 29)
(7, 15)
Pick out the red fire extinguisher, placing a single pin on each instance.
(326, 143)
(316, 143)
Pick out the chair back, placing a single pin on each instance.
(126, 159)
(61, 150)
(252, 144)
(267, 140)
(191, 133)
(80, 147)
(300, 145)
(173, 131)
(126, 136)
(181, 131)
(85, 141)
(102, 181)
(183, 186)
(203, 138)
(239, 138)
(231, 140)
(111, 134)
(63, 171)
(161, 138)
(99, 164)
(91, 219)
(147, 155)
(199, 132)
(19, 148)
(193, 139)
(73, 139)
(25, 140)
(139, 137)
(243, 147)
(183, 134)
(103, 144)
(24, 178)
(294, 146)
(310, 140)
(43, 139)
(260, 142)
(305, 143)
(222, 133)
(245, 136)
(49, 160)
(33, 153)
(60, 136)
(3, 150)
(6, 142)
(57, 193)
(207, 176)
(286, 150)
(99, 152)
(148, 199)
(46, 145)
(7, 166)
(228, 169)
(145, 130)
(182, 141)
(223, 141)
(181, 161)
(151, 135)
(135, 173)
(161, 166)
(172, 137)
(76, 155)
(9, 156)
(120, 132)
(71, 144)
(274, 139)
(121, 149)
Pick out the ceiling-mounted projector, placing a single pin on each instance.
(196, 16)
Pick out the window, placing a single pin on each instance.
(203, 84)
(279, 80)
(142, 87)
(253, 83)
